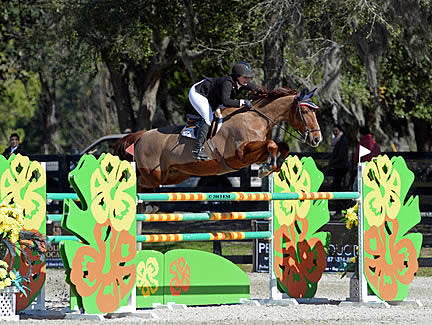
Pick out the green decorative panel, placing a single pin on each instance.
(149, 278)
(101, 267)
(23, 182)
(299, 250)
(195, 277)
(390, 253)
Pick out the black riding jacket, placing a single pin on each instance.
(222, 91)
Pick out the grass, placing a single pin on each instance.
(425, 271)
(228, 248)
(246, 248)
(165, 247)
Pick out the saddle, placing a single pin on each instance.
(194, 122)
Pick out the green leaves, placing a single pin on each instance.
(18, 101)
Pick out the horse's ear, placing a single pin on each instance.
(300, 96)
(309, 96)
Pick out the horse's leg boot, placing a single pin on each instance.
(198, 151)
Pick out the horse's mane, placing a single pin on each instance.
(262, 97)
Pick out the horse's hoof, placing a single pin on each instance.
(264, 171)
(150, 208)
(155, 208)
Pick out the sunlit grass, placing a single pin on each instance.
(246, 248)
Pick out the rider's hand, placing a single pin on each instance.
(248, 103)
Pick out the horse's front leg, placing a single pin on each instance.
(267, 167)
(254, 152)
(276, 159)
(283, 149)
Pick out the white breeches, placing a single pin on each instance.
(201, 104)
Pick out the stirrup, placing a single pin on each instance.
(200, 154)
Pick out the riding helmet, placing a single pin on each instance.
(242, 69)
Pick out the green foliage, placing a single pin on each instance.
(68, 40)
(19, 101)
(406, 83)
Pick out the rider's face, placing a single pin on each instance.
(243, 80)
(14, 141)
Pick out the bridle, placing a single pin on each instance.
(299, 111)
(313, 108)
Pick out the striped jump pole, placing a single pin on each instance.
(240, 235)
(230, 196)
(202, 216)
(246, 196)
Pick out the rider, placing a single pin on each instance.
(208, 94)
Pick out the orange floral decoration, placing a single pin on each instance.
(37, 274)
(88, 272)
(181, 280)
(309, 265)
(403, 259)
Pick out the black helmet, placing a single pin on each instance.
(242, 69)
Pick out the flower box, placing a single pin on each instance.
(8, 304)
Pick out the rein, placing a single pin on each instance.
(298, 110)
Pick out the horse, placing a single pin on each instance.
(164, 157)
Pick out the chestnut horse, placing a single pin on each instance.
(163, 156)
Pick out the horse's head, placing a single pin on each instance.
(299, 110)
(303, 118)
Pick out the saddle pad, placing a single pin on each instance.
(193, 123)
(192, 126)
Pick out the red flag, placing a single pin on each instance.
(131, 150)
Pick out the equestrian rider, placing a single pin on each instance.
(210, 93)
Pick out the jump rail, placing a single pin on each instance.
(203, 216)
(231, 196)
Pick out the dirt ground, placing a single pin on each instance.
(331, 287)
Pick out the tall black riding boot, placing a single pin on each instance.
(198, 151)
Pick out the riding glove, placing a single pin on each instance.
(248, 103)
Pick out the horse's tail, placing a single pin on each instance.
(119, 148)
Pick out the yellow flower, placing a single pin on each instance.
(8, 282)
(351, 217)
(110, 201)
(384, 198)
(12, 275)
(146, 276)
(3, 273)
(296, 179)
(12, 183)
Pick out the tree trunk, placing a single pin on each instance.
(147, 81)
(370, 49)
(148, 89)
(122, 98)
(48, 104)
(273, 62)
(423, 131)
